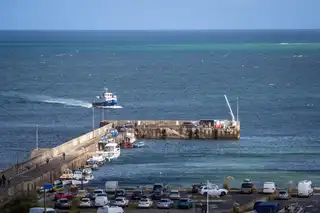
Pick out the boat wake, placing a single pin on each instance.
(110, 107)
(48, 99)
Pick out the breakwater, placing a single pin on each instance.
(27, 176)
(180, 129)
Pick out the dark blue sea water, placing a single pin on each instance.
(50, 78)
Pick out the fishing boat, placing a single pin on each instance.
(87, 171)
(130, 139)
(108, 99)
(139, 144)
(96, 159)
(66, 177)
(78, 177)
(88, 177)
(111, 151)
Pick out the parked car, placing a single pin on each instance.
(110, 209)
(101, 200)
(137, 195)
(158, 186)
(212, 191)
(85, 203)
(283, 195)
(59, 195)
(63, 203)
(174, 195)
(247, 188)
(185, 203)
(145, 203)
(196, 188)
(122, 201)
(165, 203)
(120, 193)
(157, 195)
(95, 193)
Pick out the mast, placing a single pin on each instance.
(237, 108)
(37, 138)
(230, 110)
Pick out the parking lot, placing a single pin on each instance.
(222, 204)
(310, 204)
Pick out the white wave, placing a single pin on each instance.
(110, 107)
(48, 99)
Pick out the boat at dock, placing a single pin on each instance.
(111, 151)
(129, 140)
(139, 144)
(78, 177)
(108, 99)
(96, 159)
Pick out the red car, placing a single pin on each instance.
(60, 195)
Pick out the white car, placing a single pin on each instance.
(110, 209)
(101, 200)
(122, 201)
(174, 195)
(96, 192)
(212, 191)
(145, 203)
(85, 203)
(165, 204)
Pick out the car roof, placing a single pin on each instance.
(283, 190)
(174, 190)
(120, 197)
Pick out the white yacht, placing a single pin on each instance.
(111, 151)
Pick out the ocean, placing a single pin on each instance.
(50, 78)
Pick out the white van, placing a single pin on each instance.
(41, 210)
(269, 187)
(305, 188)
(111, 186)
(110, 209)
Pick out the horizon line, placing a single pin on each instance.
(159, 30)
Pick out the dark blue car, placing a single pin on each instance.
(185, 203)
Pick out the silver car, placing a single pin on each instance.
(174, 195)
(283, 195)
(165, 204)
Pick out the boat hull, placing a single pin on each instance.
(79, 182)
(105, 103)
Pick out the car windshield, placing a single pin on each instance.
(144, 200)
(247, 185)
(102, 195)
(174, 192)
(137, 192)
(184, 200)
(63, 201)
(85, 200)
(97, 192)
(282, 192)
(119, 199)
(164, 201)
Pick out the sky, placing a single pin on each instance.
(158, 14)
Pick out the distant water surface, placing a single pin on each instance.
(50, 79)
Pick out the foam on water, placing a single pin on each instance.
(48, 99)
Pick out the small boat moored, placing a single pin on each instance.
(139, 144)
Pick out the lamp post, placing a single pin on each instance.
(92, 120)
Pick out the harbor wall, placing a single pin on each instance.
(176, 129)
(38, 157)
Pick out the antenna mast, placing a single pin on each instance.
(37, 138)
(230, 110)
(237, 108)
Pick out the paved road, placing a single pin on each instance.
(44, 168)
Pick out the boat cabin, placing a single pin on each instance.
(111, 147)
